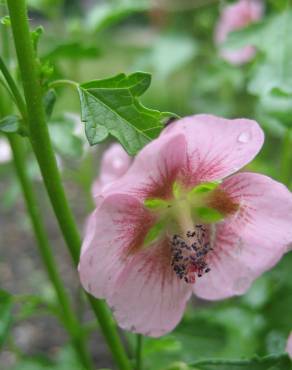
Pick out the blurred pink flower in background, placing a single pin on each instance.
(114, 164)
(289, 345)
(5, 151)
(169, 228)
(234, 17)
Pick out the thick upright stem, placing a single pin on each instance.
(43, 149)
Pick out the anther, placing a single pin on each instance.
(189, 260)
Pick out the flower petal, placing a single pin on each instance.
(154, 169)
(114, 164)
(139, 283)
(217, 147)
(148, 297)
(250, 242)
(89, 232)
(116, 228)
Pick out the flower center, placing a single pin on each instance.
(189, 253)
(189, 217)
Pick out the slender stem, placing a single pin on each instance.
(5, 86)
(139, 346)
(5, 51)
(44, 153)
(69, 318)
(14, 89)
(285, 171)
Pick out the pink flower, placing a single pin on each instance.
(168, 228)
(114, 164)
(289, 345)
(235, 17)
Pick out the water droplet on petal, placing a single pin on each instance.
(244, 137)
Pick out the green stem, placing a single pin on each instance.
(70, 320)
(139, 345)
(285, 171)
(14, 89)
(6, 88)
(44, 153)
(68, 316)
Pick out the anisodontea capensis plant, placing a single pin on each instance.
(178, 223)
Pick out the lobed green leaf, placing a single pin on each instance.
(111, 107)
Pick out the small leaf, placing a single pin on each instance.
(49, 101)
(281, 362)
(10, 124)
(35, 36)
(208, 215)
(111, 107)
